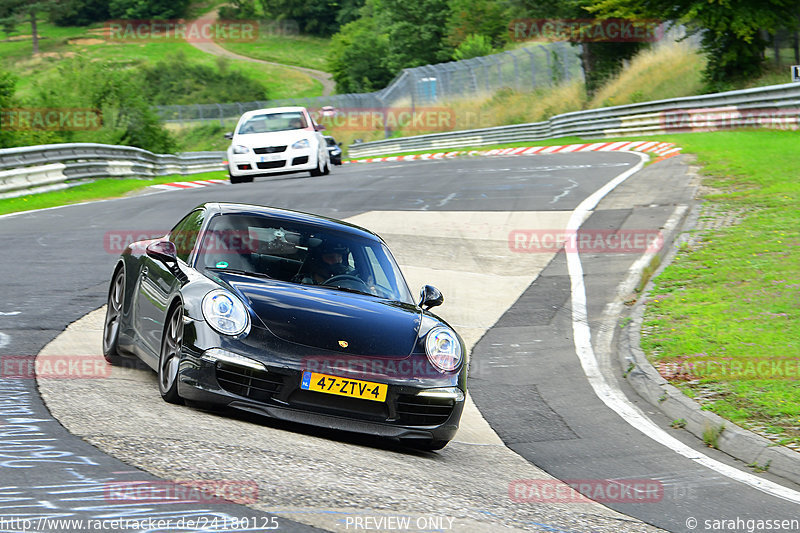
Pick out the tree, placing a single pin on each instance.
(13, 11)
(148, 9)
(238, 10)
(357, 57)
(477, 17)
(601, 60)
(349, 10)
(79, 12)
(315, 17)
(731, 30)
(7, 83)
(475, 45)
(416, 31)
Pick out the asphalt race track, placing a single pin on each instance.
(448, 222)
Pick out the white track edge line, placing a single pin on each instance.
(614, 398)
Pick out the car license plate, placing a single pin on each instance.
(353, 388)
(270, 157)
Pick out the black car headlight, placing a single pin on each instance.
(443, 349)
(225, 313)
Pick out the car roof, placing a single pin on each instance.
(226, 208)
(249, 114)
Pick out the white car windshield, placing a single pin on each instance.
(269, 122)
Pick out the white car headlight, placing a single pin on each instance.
(443, 349)
(239, 149)
(302, 143)
(225, 313)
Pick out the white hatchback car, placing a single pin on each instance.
(278, 140)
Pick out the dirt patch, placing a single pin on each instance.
(86, 41)
(18, 38)
(104, 31)
(57, 55)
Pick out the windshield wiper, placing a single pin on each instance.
(239, 271)
(344, 289)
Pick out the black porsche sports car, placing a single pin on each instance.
(292, 316)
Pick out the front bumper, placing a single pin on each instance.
(251, 164)
(276, 393)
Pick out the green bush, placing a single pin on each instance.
(475, 45)
(175, 80)
(118, 94)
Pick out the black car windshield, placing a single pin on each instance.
(269, 122)
(301, 253)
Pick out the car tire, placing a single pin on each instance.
(111, 324)
(327, 168)
(170, 357)
(319, 171)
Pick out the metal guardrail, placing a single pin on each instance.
(773, 106)
(31, 169)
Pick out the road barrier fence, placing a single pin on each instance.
(34, 169)
(776, 106)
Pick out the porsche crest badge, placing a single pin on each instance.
(344, 344)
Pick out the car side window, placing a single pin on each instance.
(184, 234)
(377, 268)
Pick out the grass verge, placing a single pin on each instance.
(299, 50)
(723, 320)
(96, 190)
(59, 43)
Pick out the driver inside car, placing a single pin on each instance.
(331, 262)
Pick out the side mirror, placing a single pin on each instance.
(430, 297)
(163, 251)
(338, 144)
(319, 127)
(229, 135)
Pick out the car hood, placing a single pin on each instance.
(331, 320)
(275, 138)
